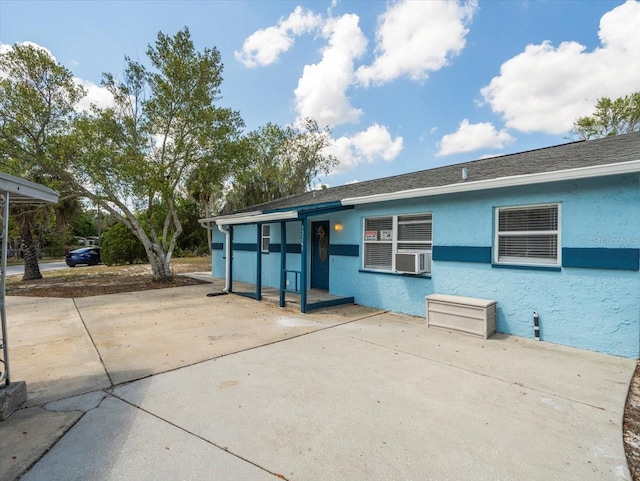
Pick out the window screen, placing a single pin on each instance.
(414, 232)
(385, 236)
(378, 243)
(528, 235)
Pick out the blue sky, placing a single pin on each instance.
(403, 85)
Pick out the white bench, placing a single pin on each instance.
(462, 314)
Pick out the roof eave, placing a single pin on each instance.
(210, 220)
(254, 218)
(259, 218)
(629, 167)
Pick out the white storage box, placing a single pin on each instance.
(464, 314)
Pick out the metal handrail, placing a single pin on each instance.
(296, 281)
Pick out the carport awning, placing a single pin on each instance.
(24, 191)
(14, 190)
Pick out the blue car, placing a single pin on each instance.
(86, 255)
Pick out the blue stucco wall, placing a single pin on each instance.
(244, 261)
(217, 253)
(595, 309)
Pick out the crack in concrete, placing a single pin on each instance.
(93, 342)
(108, 392)
(44, 453)
(124, 383)
(223, 448)
(48, 406)
(202, 438)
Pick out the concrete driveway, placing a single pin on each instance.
(182, 386)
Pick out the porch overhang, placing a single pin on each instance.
(300, 214)
(265, 217)
(249, 218)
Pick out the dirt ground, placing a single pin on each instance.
(85, 281)
(631, 426)
(97, 280)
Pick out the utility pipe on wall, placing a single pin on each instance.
(227, 244)
(536, 325)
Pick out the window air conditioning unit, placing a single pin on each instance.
(413, 262)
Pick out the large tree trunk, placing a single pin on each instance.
(159, 257)
(160, 268)
(31, 267)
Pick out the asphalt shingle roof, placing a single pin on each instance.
(609, 150)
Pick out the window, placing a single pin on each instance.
(266, 236)
(528, 235)
(386, 236)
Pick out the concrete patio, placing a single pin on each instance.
(171, 384)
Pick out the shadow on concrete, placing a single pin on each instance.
(74, 347)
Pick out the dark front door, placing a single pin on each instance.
(320, 255)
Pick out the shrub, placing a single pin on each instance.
(120, 246)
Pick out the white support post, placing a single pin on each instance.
(5, 374)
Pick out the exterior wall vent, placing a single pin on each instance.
(413, 262)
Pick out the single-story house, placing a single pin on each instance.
(553, 232)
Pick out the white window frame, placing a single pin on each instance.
(527, 261)
(394, 239)
(263, 237)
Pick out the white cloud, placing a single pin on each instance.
(95, 95)
(470, 137)
(5, 47)
(544, 89)
(264, 46)
(321, 92)
(415, 37)
(367, 146)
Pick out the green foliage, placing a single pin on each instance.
(280, 162)
(163, 130)
(84, 225)
(194, 237)
(611, 117)
(193, 240)
(120, 246)
(37, 100)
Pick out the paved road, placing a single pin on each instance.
(44, 266)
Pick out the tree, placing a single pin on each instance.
(205, 184)
(84, 225)
(611, 117)
(280, 162)
(37, 100)
(164, 126)
(120, 246)
(194, 238)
